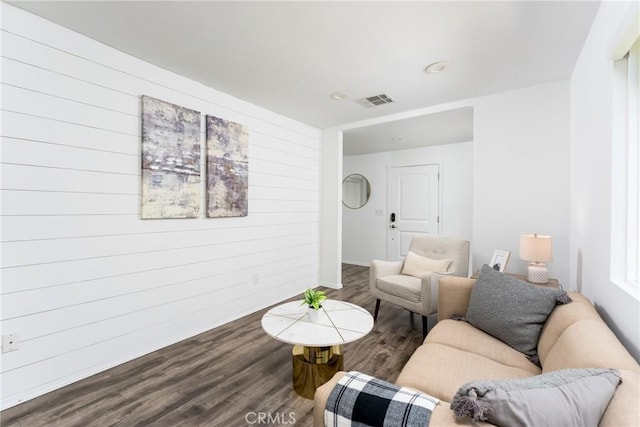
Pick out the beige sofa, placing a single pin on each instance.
(455, 353)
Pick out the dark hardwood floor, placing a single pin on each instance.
(228, 376)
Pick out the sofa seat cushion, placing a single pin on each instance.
(399, 285)
(465, 337)
(440, 370)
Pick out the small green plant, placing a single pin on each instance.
(314, 298)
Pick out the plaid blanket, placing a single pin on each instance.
(361, 400)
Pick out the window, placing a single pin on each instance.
(626, 177)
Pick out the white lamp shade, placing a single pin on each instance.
(536, 248)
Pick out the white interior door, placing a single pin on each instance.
(414, 206)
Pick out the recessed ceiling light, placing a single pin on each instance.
(337, 96)
(437, 67)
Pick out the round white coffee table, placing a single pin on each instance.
(317, 351)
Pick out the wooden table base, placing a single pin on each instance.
(314, 366)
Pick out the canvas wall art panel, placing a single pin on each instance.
(170, 160)
(227, 168)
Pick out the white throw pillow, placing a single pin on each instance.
(416, 265)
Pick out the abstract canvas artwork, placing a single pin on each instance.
(227, 168)
(170, 160)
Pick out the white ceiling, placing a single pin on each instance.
(290, 56)
(446, 127)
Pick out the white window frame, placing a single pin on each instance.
(625, 218)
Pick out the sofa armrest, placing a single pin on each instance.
(321, 397)
(381, 269)
(429, 292)
(453, 296)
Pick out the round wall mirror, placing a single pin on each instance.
(355, 191)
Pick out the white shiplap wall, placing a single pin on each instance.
(85, 282)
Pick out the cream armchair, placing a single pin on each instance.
(410, 284)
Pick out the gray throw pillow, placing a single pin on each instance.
(512, 310)
(567, 398)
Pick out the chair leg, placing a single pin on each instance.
(375, 313)
(425, 327)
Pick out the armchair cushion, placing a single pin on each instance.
(405, 287)
(417, 265)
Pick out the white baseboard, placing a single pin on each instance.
(331, 285)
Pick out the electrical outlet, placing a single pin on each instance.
(255, 278)
(9, 342)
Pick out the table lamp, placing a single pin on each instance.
(537, 249)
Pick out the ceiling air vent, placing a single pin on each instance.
(374, 101)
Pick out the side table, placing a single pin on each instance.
(553, 283)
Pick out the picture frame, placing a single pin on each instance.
(499, 260)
